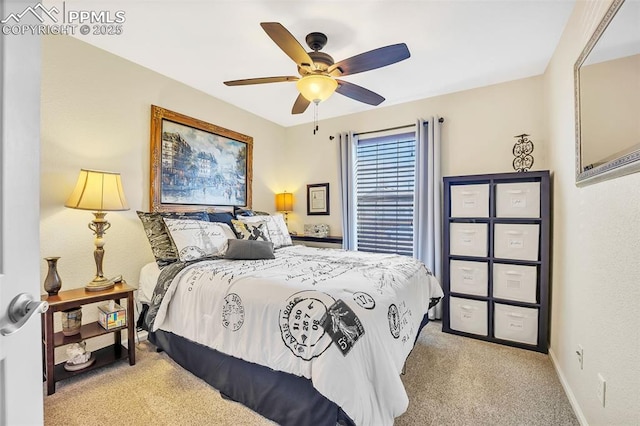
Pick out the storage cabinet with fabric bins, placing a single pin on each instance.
(496, 258)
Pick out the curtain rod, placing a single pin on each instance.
(384, 130)
(440, 120)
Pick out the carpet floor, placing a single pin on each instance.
(450, 380)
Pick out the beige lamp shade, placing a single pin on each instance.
(317, 87)
(284, 202)
(98, 191)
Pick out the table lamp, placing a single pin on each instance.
(284, 203)
(101, 192)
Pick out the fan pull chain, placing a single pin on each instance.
(315, 118)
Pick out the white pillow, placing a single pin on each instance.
(196, 239)
(278, 232)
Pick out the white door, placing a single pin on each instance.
(21, 390)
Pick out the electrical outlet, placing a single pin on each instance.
(580, 353)
(602, 389)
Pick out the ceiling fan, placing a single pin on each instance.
(318, 71)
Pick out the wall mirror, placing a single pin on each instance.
(607, 91)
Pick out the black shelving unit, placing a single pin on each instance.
(490, 243)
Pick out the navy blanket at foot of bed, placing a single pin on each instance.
(284, 398)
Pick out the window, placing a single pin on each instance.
(385, 173)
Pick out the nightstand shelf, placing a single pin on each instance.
(104, 356)
(76, 298)
(87, 331)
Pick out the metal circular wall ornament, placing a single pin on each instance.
(522, 151)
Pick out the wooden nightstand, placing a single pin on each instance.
(328, 239)
(72, 299)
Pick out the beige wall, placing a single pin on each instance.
(96, 114)
(596, 247)
(477, 137)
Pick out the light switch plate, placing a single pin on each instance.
(602, 389)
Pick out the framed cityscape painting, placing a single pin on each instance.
(196, 165)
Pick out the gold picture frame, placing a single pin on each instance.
(197, 165)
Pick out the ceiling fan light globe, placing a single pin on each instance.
(317, 88)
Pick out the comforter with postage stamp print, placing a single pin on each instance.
(345, 320)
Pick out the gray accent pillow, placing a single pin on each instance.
(249, 250)
(161, 244)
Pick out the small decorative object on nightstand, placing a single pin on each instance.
(52, 282)
(79, 358)
(111, 315)
(71, 321)
(319, 230)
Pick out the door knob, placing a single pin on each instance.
(21, 309)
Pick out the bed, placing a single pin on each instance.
(302, 336)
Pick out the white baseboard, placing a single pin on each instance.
(567, 390)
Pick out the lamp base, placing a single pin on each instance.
(99, 284)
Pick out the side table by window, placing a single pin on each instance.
(328, 241)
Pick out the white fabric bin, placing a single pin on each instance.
(469, 277)
(468, 239)
(516, 241)
(516, 324)
(518, 199)
(515, 282)
(470, 200)
(468, 315)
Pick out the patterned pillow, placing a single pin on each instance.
(281, 230)
(161, 245)
(237, 211)
(223, 217)
(196, 239)
(251, 231)
(277, 229)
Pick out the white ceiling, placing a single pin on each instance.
(455, 45)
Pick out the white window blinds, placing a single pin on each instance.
(385, 174)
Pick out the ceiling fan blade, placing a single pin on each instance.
(358, 93)
(289, 45)
(260, 80)
(300, 105)
(370, 60)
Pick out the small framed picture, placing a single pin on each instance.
(318, 199)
